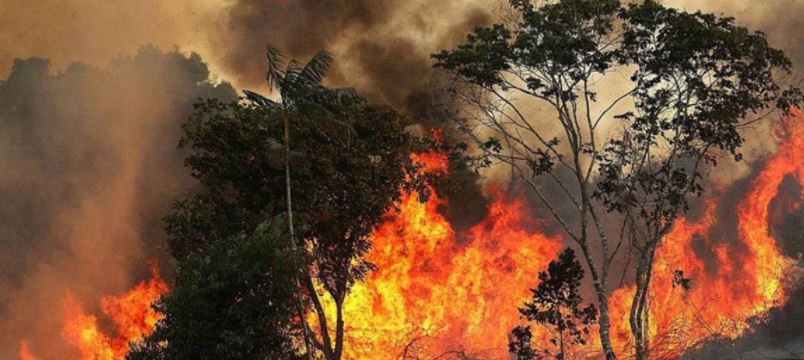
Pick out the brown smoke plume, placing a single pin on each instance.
(89, 166)
(87, 152)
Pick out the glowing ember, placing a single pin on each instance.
(130, 313)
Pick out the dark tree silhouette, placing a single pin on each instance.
(235, 300)
(557, 305)
(350, 164)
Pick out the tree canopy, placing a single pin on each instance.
(234, 300)
(556, 304)
(633, 158)
(350, 164)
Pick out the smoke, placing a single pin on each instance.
(87, 152)
(382, 47)
(90, 166)
(87, 138)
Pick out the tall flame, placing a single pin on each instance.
(744, 277)
(131, 315)
(439, 290)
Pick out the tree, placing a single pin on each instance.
(370, 167)
(351, 163)
(231, 302)
(555, 303)
(634, 158)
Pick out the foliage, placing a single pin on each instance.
(350, 163)
(555, 304)
(231, 302)
(635, 157)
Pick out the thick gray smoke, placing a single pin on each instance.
(89, 167)
(382, 47)
(88, 163)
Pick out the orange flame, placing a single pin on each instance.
(443, 287)
(744, 279)
(448, 289)
(130, 314)
(439, 289)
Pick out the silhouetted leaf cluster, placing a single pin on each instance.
(556, 305)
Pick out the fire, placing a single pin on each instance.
(439, 290)
(130, 314)
(745, 279)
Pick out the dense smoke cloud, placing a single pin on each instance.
(382, 47)
(89, 167)
(88, 163)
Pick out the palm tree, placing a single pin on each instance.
(299, 86)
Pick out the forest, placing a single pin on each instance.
(564, 179)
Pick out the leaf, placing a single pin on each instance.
(260, 100)
(316, 68)
(276, 69)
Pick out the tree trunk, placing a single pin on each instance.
(605, 323)
(339, 323)
(603, 304)
(639, 316)
(302, 315)
(322, 320)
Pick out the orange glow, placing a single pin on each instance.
(439, 289)
(445, 288)
(130, 314)
(450, 290)
(25, 351)
(743, 278)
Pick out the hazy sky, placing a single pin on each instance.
(87, 153)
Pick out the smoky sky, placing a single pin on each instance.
(89, 118)
(382, 47)
(89, 167)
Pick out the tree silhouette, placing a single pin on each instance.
(301, 86)
(556, 304)
(350, 163)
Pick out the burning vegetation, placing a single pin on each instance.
(130, 317)
(437, 290)
(323, 224)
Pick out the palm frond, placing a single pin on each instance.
(299, 84)
(313, 73)
(293, 71)
(260, 100)
(276, 68)
(345, 94)
(291, 84)
(334, 97)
